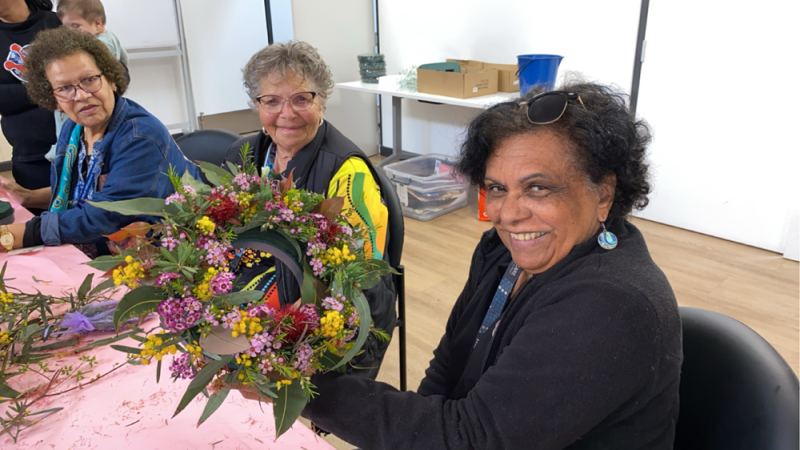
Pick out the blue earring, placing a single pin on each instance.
(607, 239)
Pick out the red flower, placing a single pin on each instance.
(222, 209)
(295, 322)
(329, 234)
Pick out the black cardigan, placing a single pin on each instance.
(587, 355)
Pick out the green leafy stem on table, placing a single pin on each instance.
(27, 342)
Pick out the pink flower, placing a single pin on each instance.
(176, 197)
(222, 283)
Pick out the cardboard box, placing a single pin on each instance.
(507, 79)
(471, 82)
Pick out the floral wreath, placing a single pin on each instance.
(216, 334)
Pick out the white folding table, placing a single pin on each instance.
(388, 85)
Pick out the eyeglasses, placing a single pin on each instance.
(90, 85)
(550, 106)
(272, 104)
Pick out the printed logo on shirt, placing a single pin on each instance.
(15, 61)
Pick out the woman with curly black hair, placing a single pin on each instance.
(567, 334)
(110, 148)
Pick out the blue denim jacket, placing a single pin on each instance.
(137, 151)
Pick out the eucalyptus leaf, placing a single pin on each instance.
(158, 372)
(214, 174)
(201, 380)
(138, 207)
(45, 411)
(126, 349)
(7, 392)
(234, 170)
(104, 263)
(372, 271)
(362, 306)
(197, 185)
(237, 298)
(104, 286)
(264, 389)
(308, 293)
(213, 356)
(136, 303)
(30, 330)
(107, 341)
(259, 219)
(56, 345)
(85, 286)
(330, 360)
(288, 405)
(220, 341)
(214, 402)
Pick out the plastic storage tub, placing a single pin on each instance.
(426, 187)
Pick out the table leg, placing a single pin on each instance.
(397, 132)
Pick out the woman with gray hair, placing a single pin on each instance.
(288, 84)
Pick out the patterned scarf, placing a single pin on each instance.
(61, 202)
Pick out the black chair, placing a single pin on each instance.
(207, 145)
(394, 252)
(736, 391)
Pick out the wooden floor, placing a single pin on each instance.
(754, 286)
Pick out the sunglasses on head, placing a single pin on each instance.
(550, 106)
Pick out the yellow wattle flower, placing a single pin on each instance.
(205, 225)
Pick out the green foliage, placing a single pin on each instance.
(288, 405)
(137, 207)
(137, 303)
(362, 306)
(201, 380)
(27, 342)
(214, 174)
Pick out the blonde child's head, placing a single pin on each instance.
(87, 15)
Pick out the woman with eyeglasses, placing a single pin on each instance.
(567, 334)
(288, 84)
(110, 148)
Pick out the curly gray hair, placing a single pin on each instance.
(297, 56)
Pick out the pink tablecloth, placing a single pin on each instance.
(127, 409)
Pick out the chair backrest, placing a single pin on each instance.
(397, 228)
(207, 145)
(736, 391)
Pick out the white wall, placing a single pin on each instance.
(282, 26)
(340, 31)
(718, 88)
(221, 37)
(597, 38)
(156, 83)
(145, 23)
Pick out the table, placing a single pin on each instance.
(388, 85)
(127, 409)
